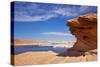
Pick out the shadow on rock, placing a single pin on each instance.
(72, 53)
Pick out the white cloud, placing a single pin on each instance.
(46, 15)
(66, 11)
(33, 12)
(56, 33)
(84, 8)
(34, 18)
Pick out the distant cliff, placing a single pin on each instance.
(84, 28)
(28, 42)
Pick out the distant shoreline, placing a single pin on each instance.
(31, 42)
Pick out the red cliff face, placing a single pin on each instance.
(84, 28)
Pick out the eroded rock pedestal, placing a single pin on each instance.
(84, 28)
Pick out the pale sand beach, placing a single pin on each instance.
(49, 57)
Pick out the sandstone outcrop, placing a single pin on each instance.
(84, 28)
(19, 42)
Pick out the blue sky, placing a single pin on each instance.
(41, 21)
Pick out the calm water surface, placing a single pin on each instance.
(21, 49)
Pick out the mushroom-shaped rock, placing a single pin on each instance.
(84, 28)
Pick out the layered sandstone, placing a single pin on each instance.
(28, 42)
(84, 28)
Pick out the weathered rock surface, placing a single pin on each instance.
(84, 28)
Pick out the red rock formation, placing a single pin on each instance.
(19, 42)
(84, 28)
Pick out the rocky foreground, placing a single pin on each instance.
(84, 28)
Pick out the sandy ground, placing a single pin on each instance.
(49, 57)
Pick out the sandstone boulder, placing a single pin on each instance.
(84, 28)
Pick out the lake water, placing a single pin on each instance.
(21, 49)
